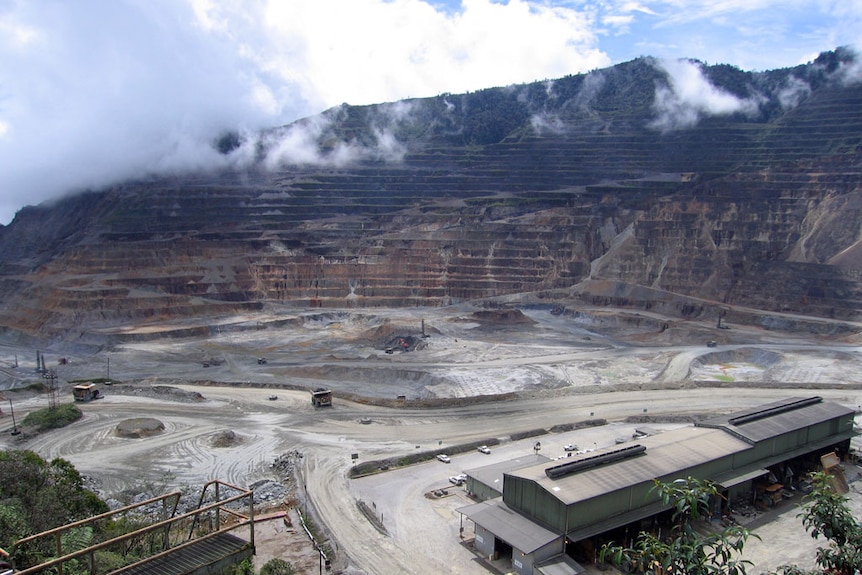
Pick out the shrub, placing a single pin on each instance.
(685, 551)
(53, 417)
(35, 496)
(277, 567)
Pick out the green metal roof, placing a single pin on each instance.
(507, 524)
(666, 453)
(777, 418)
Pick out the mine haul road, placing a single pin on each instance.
(422, 536)
(560, 372)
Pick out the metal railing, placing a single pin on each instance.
(162, 537)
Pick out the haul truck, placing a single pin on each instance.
(86, 392)
(321, 397)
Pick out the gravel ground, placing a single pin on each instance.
(222, 422)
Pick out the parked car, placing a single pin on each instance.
(444, 458)
(484, 449)
(457, 479)
(570, 447)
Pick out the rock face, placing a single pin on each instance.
(607, 188)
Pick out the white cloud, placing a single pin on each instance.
(793, 92)
(751, 34)
(298, 142)
(379, 51)
(618, 21)
(97, 92)
(850, 73)
(621, 17)
(689, 96)
(16, 35)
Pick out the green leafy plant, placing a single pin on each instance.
(686, 551)
(246, 567)
(53, 417)
(35, 496)
(826, 514)
(277, 567)
(13, 523)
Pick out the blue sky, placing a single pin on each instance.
(96, 91)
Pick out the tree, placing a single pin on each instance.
(686, 551)
(826, 513)
(12, 523)
(36, 495)
(48, 494)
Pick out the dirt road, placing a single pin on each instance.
(560, 373)
(422, 535)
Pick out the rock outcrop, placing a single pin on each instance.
(577, 188)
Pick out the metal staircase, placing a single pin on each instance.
(201, 542)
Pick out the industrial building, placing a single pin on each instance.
(553, 516)
(487, 482)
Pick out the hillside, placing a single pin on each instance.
(686, 188)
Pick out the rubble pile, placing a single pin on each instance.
(167, 392)
(269, 491)
(226, 438)
(285, 465)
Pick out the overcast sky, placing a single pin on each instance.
(96, 91)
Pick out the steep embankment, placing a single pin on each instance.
(613, 176)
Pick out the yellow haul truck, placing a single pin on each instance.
(86, 392)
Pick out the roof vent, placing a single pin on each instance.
(771, 411)
(605, 458)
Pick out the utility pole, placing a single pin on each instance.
(53, 398)
(15, 430)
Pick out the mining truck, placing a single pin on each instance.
(86, 392)
(321, 397)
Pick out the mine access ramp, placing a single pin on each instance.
(159, 541)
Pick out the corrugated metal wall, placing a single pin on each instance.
(530, 497)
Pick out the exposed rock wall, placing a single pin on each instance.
(759, 212)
